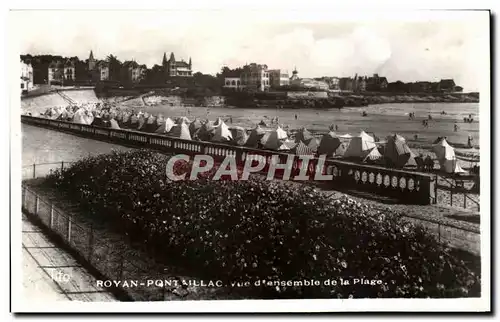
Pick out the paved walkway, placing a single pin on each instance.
(51, 274)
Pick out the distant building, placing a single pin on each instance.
(446, 85)
(376, 83)
(69, 70)
(255, 77)
(295, 76)
(103, 67)
(132, 72)
(56, 72)
(307, 83)
(346, 84)
(26, 75)
(92, 62)
(420, 87)
(334, 83)
(233, 83)
(359, 83)
(278, 78)
(176, 68)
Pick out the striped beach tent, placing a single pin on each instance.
(398, 153)
(255, 137)
(302, 149)
(329, 144)
(239, 135)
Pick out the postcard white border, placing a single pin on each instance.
(323, 12)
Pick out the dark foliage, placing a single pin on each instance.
(262, 230)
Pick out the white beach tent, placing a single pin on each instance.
(373, 155)
(446, 157)
(81, 117)
(274, 139)
(222, 133)
(166, 126)
(366, 136)
(180, 131)
(113, 124)
(360, 146)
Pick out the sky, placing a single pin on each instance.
(418, 47)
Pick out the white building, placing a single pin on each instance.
(56, 73)
(233, 83)
(255, 77)
(69, 70)
(26, 76)
(307, 83)
(279, 77)
(103, 67)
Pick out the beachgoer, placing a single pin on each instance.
(231, 119)
(415, 137)
(469, 141)
(295, 116)
(430, 117)
(455, 127)
(336, 127)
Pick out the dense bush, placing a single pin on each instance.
(260, 230)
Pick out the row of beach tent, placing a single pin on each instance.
(394, 151)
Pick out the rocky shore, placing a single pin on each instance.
(343, 100)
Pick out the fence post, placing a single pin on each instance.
(23, 205)
(91, 244)
(62, 166)
(34, 171)
(451, 195)
(465, 200)
(439, 233)
(120, 270)
(69, 229)
(163, 293)
(36, 204)
(436, 190)
(51, 219)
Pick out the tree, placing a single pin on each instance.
(115, 67)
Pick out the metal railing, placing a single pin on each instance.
(453, 189)
(82, 238)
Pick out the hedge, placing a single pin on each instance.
(265, 230)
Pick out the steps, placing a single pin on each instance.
(66, 98)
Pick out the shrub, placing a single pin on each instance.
(263, 230)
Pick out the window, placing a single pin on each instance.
(233, 83)
(238, 83)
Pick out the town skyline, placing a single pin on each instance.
(407, 52)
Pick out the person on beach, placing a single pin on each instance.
(295, 116)
(455, 127)
(430, 117)
(470, 139)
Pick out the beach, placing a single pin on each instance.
(381, 119)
